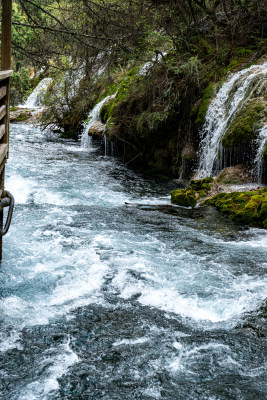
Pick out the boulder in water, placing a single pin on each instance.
(198, 189)
(97, 129)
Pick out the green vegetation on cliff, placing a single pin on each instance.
(164, 60)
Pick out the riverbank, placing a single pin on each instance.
(25, 115)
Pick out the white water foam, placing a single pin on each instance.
(262, 143)
(221, 110)
(131, 342)
(54, 363)
(35, 100)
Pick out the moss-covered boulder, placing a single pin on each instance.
(193, 193)
(248, 208)
(184, 197)
(19, 115)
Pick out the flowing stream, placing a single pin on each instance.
(109, 292)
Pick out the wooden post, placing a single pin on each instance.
(5, 65)
(6, 34)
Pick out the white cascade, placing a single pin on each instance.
(93, 117)
(35, 99)
(222, 109)
(261, 142)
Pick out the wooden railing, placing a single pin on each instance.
(4, 133)
(5, 73)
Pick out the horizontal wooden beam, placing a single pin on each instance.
(3, 151)
(2, 130)
(2, 111)
(5, 74)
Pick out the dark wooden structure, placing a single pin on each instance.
(5, 74)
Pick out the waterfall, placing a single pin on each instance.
(35, 99)
(92, 118)
(261, 142)
(222, 109)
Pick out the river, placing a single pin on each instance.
(106, 300)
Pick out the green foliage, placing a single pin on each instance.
(20, 86)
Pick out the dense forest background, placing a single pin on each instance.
(95, 48)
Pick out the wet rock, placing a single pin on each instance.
(25, 115)
(97, 129)
(236, 175)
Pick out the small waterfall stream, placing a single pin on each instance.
(222, 109)
(93, 117)
(35, 100)
(261, 142)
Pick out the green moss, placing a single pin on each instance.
(188, 197)
(184, 197)
(202, 109)
(203, 184)
(249, 208)
(106, 110)
(22, 117)
(243, 129)
(127, 83)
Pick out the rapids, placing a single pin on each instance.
(109, 292)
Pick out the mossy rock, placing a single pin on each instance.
(248, 208)
(196, 190)
(243, 129)
(202, 184)
(23, 117)
(184, 197)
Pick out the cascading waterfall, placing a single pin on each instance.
(35, 99)
(261, 142)
(93, 117)
(222, 109)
